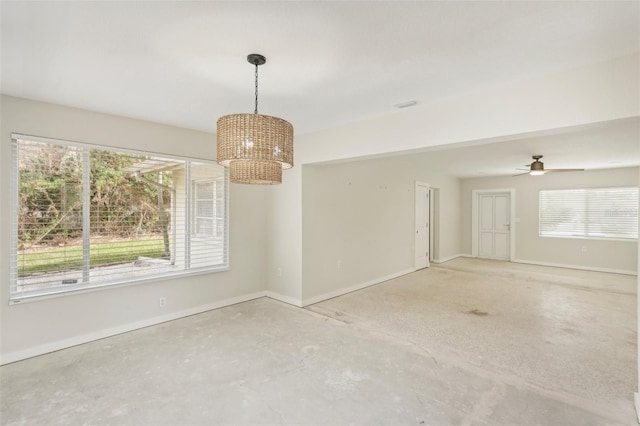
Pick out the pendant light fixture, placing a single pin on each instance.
(255, 147)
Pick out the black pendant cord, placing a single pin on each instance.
(257, 60)
(255, 111)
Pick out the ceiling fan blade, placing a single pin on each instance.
(563, 170)
(523, 169)
(520, 174)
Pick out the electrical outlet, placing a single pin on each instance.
(279, 272)
(340, 264)
(162, 302)
(584, 249)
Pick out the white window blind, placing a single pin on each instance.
(589, 213)
(86, 216)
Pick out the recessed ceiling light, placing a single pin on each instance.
(406, 104)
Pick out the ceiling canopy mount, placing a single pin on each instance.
(256, 59)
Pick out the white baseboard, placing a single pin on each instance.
(446, 259)
(101, 334)
(340, 292)
(282, 298)
(636, 398)
(581, 267)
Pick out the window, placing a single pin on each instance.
(589, 213)
(209, 208)
(87, 216)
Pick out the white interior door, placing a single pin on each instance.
(422, 225)
(494, 228)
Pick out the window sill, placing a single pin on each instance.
(575, 237)
(18, 299)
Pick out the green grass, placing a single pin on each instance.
(100, 254)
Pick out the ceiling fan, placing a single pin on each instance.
(536, 168)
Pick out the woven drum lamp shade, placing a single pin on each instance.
(255, 147)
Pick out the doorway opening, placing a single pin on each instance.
(425, 212)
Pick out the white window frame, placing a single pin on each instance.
(585, 225)
(19, 297)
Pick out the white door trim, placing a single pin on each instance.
(415, 220)
(475, 195)
(432, 215)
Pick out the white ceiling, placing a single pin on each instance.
(328, 63)
(607, 145)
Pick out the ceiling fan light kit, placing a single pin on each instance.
(255, 147)
(537, 167)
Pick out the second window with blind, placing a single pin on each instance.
(597, 213)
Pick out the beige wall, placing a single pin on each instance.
(358, 222)
(40, 326)
(612, 255)
(284, 241)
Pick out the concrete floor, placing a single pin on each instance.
(467, 342)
